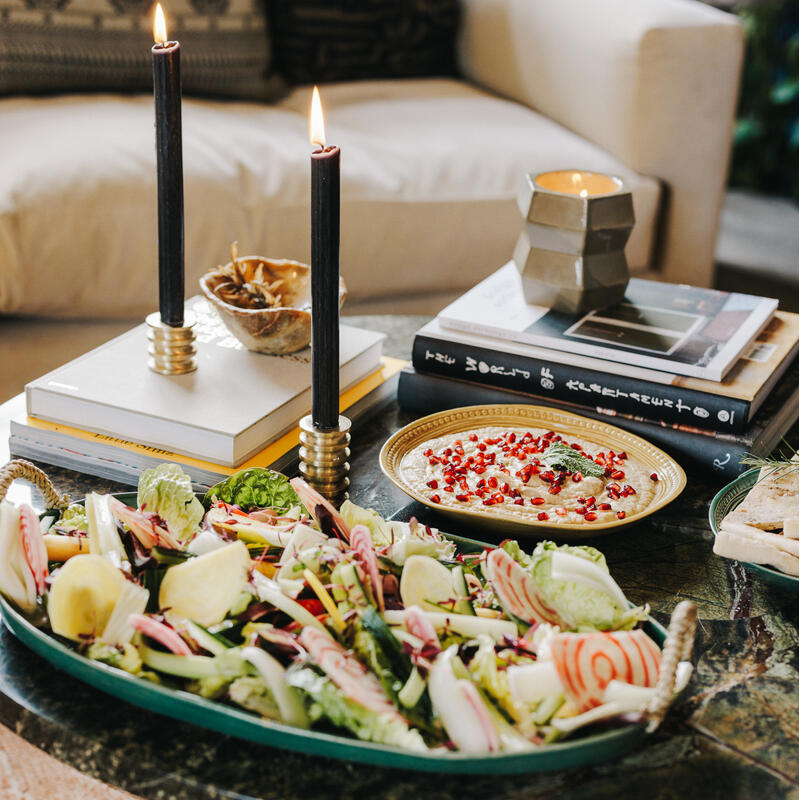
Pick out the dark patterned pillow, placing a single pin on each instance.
(49, 46)
(317, 41)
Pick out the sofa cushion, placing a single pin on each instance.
(430, 170)
(51, 46)
(320, 41)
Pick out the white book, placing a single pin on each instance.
(673, 328)
(230, 408)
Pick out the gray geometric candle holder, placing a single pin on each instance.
(571, 252)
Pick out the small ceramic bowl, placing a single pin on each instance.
(285, 328)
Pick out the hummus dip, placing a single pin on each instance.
(516, 471)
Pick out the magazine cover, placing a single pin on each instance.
(675, 328)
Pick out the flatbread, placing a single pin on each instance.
(744, 548)
(771, 502)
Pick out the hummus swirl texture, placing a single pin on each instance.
(508, 470)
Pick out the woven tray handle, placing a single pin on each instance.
(20, 469)
(677, 647)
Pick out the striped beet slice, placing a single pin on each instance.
(361, 542)
(587, 662)
(517, 591)
(349, 674)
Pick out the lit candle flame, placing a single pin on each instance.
(317, 128)
(159, 26)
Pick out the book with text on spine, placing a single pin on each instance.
(233, 406)
(422, 394)
(726, 406)
(680, 329)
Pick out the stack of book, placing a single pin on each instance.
(107, 414)
(708, 375)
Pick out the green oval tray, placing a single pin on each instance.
(725, 500)
(231, 721)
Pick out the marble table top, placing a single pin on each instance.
(733, 734)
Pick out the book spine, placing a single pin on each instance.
(585, 387)
(425, 394)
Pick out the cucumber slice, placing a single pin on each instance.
(413, 689)
(208, 641)
(354, 589)
(169, 557)
(463, 603)
(547, 708)
(193, 667)
(269, 592)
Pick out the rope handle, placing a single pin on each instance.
(677, 647)
(21, 469)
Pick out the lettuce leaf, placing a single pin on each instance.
(255, 488)
(325, 700)
(582, 607)
(73, 518)
(484, 670)
(166, 490)
(356, 515)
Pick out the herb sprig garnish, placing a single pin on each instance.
(561, 456)
(777, 465)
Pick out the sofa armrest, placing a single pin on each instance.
(654, 82)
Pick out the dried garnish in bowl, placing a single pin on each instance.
(265, 303)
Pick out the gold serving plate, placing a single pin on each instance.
(671, 477)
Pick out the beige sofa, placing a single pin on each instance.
(643, 89)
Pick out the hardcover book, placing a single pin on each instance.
(122, 461)
(235, 404)
(420, 394)
(684, 330)
(726, 406)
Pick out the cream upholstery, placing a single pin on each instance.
(653, 82)
(643, 89)
(430, 170)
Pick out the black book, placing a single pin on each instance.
(726, 407)
(421, 394)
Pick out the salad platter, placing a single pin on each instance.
(524, 470)
(262, 612)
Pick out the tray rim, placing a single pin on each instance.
(187, 707)
(739, 487)
(392, 453)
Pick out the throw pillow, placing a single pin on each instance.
(318, 41)
(50, 46)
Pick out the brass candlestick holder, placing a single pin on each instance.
(323, 458)
(172, 350)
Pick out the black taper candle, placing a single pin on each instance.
(169, 160)
(325, 287)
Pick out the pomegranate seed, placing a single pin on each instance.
(605, 506)
(620, 515)
(577, 477)
(614, 486)
(542, 515)
(481, 482)
(590, 501)
(630, 489)
(498, 498)
(456, 460)
(613, 495)
(481, 446)
(562, 512)
(618, 475)
(488, 501)
(473, 437)
(492, 482)
(434, 498)
(462, 498)
(580, 510)
(505, 489)
(519, 501)
(554, 489)
(479, 470)
(512, 437)
(576, 446)
(433, 484)
(449, 489)
(654, 476)
(590, 516)
(537, 501)
(623, 455)
(449, 480)
(428, 452)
